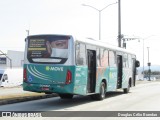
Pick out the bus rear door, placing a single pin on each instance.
(120, 69)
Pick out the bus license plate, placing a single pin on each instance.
(45, 88)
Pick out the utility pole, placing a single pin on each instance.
(119, 23)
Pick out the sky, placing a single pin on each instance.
(140, 19)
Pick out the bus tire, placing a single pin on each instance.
(126, 90)
(66, 96)
(48, 93)
(102, 94)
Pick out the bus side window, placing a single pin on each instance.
(98, 57)
(129, 61)
(125, 61)
(112, 59)
(104, 57)
(80, 54)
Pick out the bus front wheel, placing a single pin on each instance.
(102, 94)
(126, 90)
(66, 96)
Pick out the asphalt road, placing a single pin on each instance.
(143, 97)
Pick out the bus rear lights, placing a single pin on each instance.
(25, 75)
(68, 77)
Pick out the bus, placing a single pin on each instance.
(69, 66)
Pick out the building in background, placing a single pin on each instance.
(11, 68)
(3, 62)
(13, 59)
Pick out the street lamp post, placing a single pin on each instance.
(27, 32)
(128, 39)
(143, 51)
(149, 64)
(99, 11)
(143, 59)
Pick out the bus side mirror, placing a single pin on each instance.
(137, 63)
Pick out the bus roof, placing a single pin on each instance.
(102, 44)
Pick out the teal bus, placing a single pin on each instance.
(69, 66)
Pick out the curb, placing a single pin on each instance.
(26, 98)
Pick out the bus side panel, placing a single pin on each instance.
(112, 77)
(80, 82)
(127, 72)
(102, 74)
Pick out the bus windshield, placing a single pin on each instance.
(48, 49)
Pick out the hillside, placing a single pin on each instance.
(153, 68)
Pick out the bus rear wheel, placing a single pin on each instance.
(102, 94)
(66, 96)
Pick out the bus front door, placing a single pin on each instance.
(120, 69)
(91, 54)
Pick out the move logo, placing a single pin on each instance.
(48, 68)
